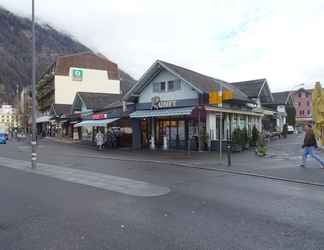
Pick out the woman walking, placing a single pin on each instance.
(99, 140)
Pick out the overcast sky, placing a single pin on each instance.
(234, 40)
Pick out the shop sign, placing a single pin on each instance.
(99, 116)
(77, 75)
(158, 104)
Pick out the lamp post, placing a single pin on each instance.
(33, 141)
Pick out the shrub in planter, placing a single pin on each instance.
(237, 140)
(255, 136)
(244, 139)
(261, 149)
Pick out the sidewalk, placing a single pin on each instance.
(281, 162)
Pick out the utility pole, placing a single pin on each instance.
(220, 93)
(33, 141)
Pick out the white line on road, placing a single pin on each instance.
(93, 179)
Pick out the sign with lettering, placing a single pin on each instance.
(99, 116)
(77, 75)
(217, 97)
(158, 104)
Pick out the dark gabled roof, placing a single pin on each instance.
(62, 109)
(281, 97)
(251, 88)
(201, 83)
(95, 101)
(87, 60)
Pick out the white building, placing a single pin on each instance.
(8, 118)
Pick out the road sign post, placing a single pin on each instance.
(33, 141)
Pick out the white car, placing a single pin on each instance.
(291, 129)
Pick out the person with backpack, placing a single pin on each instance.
(309, 145)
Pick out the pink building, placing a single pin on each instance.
(303, 104)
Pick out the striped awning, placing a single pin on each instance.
(95, 123)
(162, 112)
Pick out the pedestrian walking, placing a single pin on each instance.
(309, 145)
(99, 140)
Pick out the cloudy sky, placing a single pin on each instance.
(234, 40)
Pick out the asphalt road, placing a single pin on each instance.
(203, 210)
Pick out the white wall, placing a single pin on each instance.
(185, 92)
(95, 81)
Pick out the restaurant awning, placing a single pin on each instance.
(96, 123)
(162, 112)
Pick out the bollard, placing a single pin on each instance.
(229, 160)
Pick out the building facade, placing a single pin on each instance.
(174, 110)
(83, 72)
(69, 75)
(8, 117)
(303, 104)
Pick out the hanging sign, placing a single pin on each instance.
(217, 97)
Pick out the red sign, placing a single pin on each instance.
(99, 116)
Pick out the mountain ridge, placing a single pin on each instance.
(16, 52)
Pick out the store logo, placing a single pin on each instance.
(158, 104)
(77, 75)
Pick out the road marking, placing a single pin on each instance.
(88, 178)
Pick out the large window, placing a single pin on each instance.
(168, 86)
(159, 87)
(174, 85)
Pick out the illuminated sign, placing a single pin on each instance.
(99, 116)
(77, 75)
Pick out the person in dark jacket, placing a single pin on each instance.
(309, 145)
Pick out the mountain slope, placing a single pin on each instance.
(15, 52)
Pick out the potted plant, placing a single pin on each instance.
(255, 136)
(261, 149)
(237, 140)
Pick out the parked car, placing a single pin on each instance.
(291, 129)
(3, 139)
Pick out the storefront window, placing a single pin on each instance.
(181, 130)
(87, 133)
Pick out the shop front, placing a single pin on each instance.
(114, 124)
(174, 110)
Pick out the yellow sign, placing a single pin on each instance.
(227, 95)
(214, 97)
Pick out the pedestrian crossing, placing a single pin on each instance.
(93, 179)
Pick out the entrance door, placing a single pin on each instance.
(145, 133)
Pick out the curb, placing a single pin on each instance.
(222, 170)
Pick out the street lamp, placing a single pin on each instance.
(33, 141)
